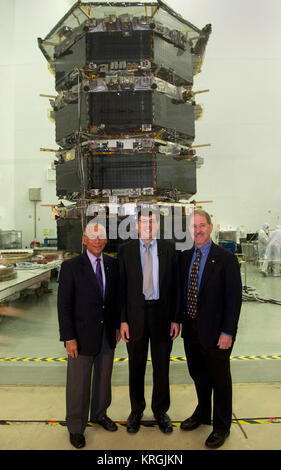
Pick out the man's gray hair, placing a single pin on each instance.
(98, 228)
(203, 214)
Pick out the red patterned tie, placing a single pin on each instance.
(193, 287)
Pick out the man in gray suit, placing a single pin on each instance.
(89, 325)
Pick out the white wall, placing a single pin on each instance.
(242, 68)
(25, 126)
(7, 220)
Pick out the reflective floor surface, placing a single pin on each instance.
(33, 367)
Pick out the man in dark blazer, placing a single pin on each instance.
(89, 325)
(149, 316)
(209, 326)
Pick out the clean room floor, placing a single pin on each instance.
(33, 369)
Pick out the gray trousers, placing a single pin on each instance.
(79, 392)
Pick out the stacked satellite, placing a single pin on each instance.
(125, 111)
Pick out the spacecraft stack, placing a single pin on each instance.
(125, 109)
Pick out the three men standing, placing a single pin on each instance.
(153, 290)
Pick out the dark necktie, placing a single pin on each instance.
(99, 275)
(193, 287)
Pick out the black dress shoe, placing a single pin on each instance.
(190, 423)
(106, 423)
(193, 422)
(216, 439)
(164, 423)
(133, 422)
(77, 440)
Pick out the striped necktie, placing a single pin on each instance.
(193, 287)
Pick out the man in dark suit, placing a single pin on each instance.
(211, 283)
(89, 325)
(150, 312)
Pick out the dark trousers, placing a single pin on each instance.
(160, 356)
(80, 393)
(210, 370)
